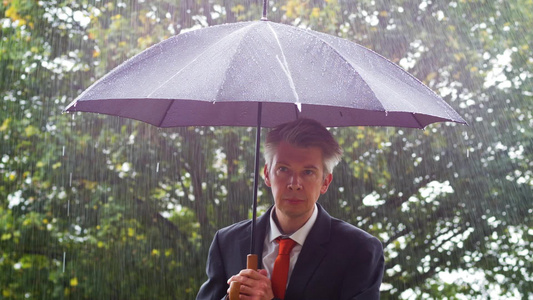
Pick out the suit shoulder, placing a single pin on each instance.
(235, 229)
(349, 233)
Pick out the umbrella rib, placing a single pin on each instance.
(418, 122)
(447, 108)
(166, 113)
(194, 60)
(285, 67)
(232, 60)
(308, 32)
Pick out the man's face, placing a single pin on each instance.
(297, 180)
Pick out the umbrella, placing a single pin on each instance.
(218, 75)
(262, 74)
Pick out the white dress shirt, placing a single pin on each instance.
(271, 247)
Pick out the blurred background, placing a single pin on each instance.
(99, 207)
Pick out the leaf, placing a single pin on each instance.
(5, 124)
(74, 281)
(31, 131)
(315, 13)
(12, 13)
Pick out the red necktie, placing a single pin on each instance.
(280, 274)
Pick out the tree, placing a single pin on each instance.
(101, 207)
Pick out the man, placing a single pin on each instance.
(328, 258)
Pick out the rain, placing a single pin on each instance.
(94, 206)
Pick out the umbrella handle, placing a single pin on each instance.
(235, 287)
(234, 290)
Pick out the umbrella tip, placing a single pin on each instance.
(264, 18)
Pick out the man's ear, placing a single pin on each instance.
(326, 183)
(267, 176)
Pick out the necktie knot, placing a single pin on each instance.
(285, 246)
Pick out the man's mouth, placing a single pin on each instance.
(293, 200)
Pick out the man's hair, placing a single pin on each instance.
(304, 133)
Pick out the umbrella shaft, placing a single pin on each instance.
(256, 175)
(264, 18)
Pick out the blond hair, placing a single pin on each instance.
(304, 133)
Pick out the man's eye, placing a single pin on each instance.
(309, 172)
(282, 169)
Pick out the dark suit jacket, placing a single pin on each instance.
(337, 261)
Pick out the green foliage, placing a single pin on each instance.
(97, 207)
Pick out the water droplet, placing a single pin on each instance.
(64, 258)
(63, 150)
(157, 168)
(68, 207)
(299, 106)
(70, 180)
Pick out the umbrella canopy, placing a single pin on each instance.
(218, 75)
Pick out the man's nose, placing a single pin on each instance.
(294, 183)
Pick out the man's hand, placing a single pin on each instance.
(254, 284)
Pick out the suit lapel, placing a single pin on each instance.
(261, 228)
(313, 251)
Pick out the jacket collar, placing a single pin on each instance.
(313, 252)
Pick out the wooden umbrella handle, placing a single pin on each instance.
(251, 262)
(235, 287)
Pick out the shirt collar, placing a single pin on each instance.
(300, 235)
